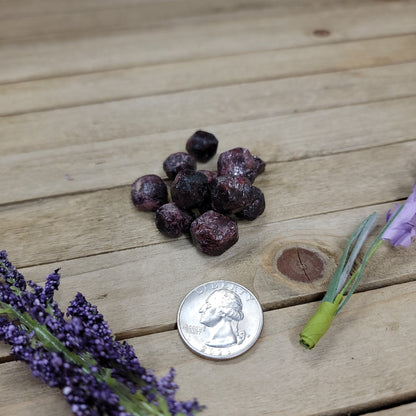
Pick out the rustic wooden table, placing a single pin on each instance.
(94, 93)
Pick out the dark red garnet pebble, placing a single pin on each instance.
(210, 174)
(256, 208)
(240, 162)
(176, 162)
(261, 165)
(149, 192)
(214, 233)
(215, 198)
(230, 194)
(172, 221)
(202, 146)
(189, 189)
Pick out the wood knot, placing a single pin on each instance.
(300, 264)
(321, 33)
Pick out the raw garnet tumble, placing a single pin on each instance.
(177, 162)
(210, 174)
(230, 193)
(213, 233)
(202, 146)
(172, 221)
(261, 165)
(240, 162)
(149, 192)
(256, 208)
(189, 189)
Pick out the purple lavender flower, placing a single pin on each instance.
(97, 374)
(402, 229)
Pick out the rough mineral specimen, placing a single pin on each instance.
(202, 146)
(176, 162)
(230, 193)
(210, 174)
(149, 192)
(240, 162)
(256, 208)
(172, 221)
(214, 233)
(189, 189)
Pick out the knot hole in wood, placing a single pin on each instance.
(301, 264)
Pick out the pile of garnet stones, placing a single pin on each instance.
(206, 204)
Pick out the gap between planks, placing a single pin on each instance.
(271, 374)
(404, 407)
(74, 170)
(78, 18)
(80, 55)
(172, 270)
(196, 109)
(121, 84)
(99, 221)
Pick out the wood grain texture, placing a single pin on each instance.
(52, 93)
(194, 40)
(112, 163)
(372, 336)
(45, 18)
(91, 223)
(155, 10)
(170, 271)
(94, 93)
(199, 108)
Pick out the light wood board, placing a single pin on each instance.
(94, 94)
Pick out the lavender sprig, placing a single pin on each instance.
(97, 374)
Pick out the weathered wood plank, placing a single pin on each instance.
(107, 164)
(195, 109)
(91, 223)
(52, 57)
(372, 336)
(120, 84)
(170, 271)
(159, 9)
(336, 144)
(47, 18)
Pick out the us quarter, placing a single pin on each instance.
(220, 320)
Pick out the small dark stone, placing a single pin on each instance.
(261, 166)
(176, 162)
(210, 174)
(149, 192)
(240, 162)
(214, 233)
(189, 189)
(202, 146)
(256, 208)
(206, 205)
(230, 193)
(172, 221)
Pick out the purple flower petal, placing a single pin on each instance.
(402, 229)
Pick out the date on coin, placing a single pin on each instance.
(220, 320)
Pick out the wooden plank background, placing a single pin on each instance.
(94, 94)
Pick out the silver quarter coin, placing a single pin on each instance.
(220, 320)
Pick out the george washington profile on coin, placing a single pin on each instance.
(221, 313)
(220, 319)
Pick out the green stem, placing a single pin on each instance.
(347, 259)
(371, 250)
(354, 275)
